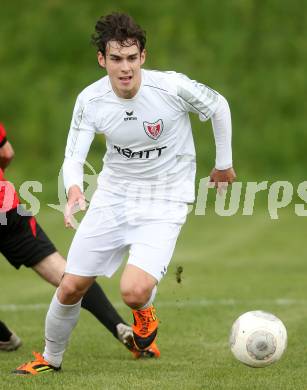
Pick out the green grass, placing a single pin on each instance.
(230, 265)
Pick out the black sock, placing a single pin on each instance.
(5, 333)
(96, 302)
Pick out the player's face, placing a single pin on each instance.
(123, 65)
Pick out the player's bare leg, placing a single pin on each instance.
(138, 289)
(72, 288)
(52, 269)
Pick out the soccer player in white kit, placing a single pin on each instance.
(143, 189)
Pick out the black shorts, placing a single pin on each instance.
(23, 241)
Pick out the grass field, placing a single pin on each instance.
(230, 265)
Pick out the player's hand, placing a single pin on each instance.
(221, 178)
(75, 202)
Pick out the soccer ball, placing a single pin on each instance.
(258, 338)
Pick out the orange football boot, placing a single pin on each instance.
(151, 352)
(145, 327)
(37, 366)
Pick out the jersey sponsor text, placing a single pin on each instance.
(142, 154)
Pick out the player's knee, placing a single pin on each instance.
(70, 292)
(135, 296)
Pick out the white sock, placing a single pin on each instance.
(60, 321)
(151, 299)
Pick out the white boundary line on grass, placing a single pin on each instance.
(177, 303)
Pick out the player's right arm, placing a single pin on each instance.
(80, 137)
(75, 202)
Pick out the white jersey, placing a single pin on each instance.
(150, 149)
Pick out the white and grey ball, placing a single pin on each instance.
(258, 338)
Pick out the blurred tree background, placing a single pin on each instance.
(254, 52)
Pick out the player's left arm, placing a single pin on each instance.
(209, 104)
(220, 178)
(223, 173)
(6, 154)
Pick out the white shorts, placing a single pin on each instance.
(113, 225)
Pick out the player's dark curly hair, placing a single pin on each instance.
(118, 27)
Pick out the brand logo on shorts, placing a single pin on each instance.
(164, 271)
(153, 130)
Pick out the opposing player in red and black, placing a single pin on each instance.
(23, 242)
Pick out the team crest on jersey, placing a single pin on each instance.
(153, 130)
